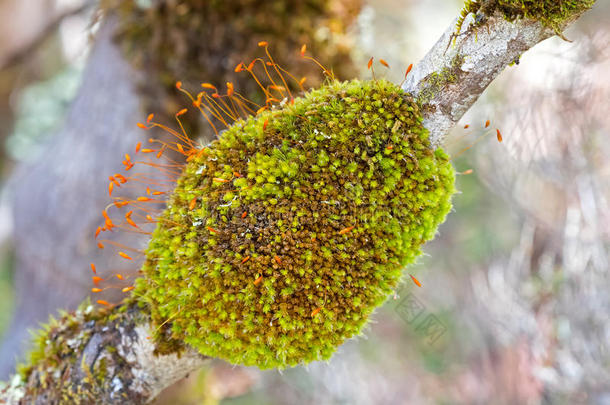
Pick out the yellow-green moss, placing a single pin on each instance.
(551, 13)
(304, 218)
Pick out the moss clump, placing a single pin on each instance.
(304, 218)
(170, 40)
(552, 13)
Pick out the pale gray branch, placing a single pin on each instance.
(458, 68)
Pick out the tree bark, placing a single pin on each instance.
(449, 80)
(108, 357)
(460, 66)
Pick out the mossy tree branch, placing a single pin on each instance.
(107, 357)
(95, 356)
(460, 66)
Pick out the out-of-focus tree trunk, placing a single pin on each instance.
(58, 199)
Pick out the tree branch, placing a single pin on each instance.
(453, 75)
(99, 356)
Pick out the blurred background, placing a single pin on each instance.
(515, 302)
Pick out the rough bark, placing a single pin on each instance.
(460, 66)
(449, 80)
(101, 357)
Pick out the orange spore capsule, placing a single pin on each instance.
(181, 112)
(239, 67)
(469, 171)
(127, 289)
(230, 89)
(315, 312)
(244, 214)
(265, 124)
(245, 259)
(219, 180)
(96, 290)
(384, 63)
(93, 269)
(100, 245)
(416, 281)
(125, 256)
(97, 231)
(258, 280)
(487, 124)
(211, 229)
(263, 43)
(408, 70)
(149, 118)
(178, 85)
(466, 126)
(208, 86)
(102, 302)
(368, 66)
(302, 81)
(193, 203)
(499, 135)
(138, 146)
(160, 152)
(346, 230)
(144, 199)
(390, 147)
(251, 65)
(96, 280)
(277, 259)
(236, 174)
(303, 49)
(110, 188)
(140, 125)
(120, 276)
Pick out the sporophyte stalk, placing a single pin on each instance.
(282, 236)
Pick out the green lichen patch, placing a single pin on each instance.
(282, 237)
(551, 13)
(434, 83)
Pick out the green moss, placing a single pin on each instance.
(551, 13)
(169, 40)
(305, 217)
